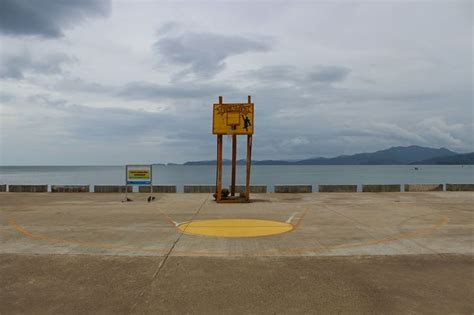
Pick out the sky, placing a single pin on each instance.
(94, 82)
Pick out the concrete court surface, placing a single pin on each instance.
(351, 253)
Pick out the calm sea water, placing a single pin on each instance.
(261, 174)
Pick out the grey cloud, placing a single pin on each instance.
(284, 84)
(148, 91)
(275, 73)
(305, 104)
(455, 135)
(332, 124)
(204, 54)
(151, 91)
(382, 130)
(328, 74)
(321, 74)
(16, 65)
(121, 128)
(97, 124)
(79, 85)
(349, 137)
(187, 136)
(168, 27)
(6, 97)
(47, 18)
(341, 120)
(46, 101)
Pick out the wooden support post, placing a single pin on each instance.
(249, 162)
(219, 168)
(234, 163)
(219, 164)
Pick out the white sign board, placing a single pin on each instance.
(138, 174)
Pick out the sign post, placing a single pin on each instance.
(138, 175)
(233, 119)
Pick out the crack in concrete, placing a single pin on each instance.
(163, 261)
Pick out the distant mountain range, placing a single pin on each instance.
(393, 156)
(459, 159)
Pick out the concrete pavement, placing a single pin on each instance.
(349, 253)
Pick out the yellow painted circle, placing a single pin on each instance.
(235, 227)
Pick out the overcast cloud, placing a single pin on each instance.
(16, 64)
(203, 54)
(98, 82)
(47, 18)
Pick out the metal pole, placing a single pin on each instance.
(151, 180)
(126, 183)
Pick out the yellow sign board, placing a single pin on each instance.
(232, 119)
(138, 174)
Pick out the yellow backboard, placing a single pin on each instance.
(232, 119)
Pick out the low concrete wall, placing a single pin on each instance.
(381, 188)
(459, 187)
(256, 189)
(337, 188)
(293, 189)
(111, 189)
(69, 188)
(239, 188)
(28, 188)
(157, 189)
(423, 187)
(199, 189)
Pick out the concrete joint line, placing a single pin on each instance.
(399, 227)
(360, 225)
(163, 262)
(425, 247)
(366, 228)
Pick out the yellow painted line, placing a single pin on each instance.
(406, 235)
(261, 225)
(235, 227)
(301, 218)
(298, 251)
(40, 237)
(25, 232)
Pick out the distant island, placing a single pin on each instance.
(410, 155)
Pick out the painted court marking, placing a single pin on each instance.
(235, 227)
(41, 237)
(276, 226)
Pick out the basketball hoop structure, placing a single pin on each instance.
(233, 119)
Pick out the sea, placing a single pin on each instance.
(269, 175)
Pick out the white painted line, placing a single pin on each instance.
(291, 217)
